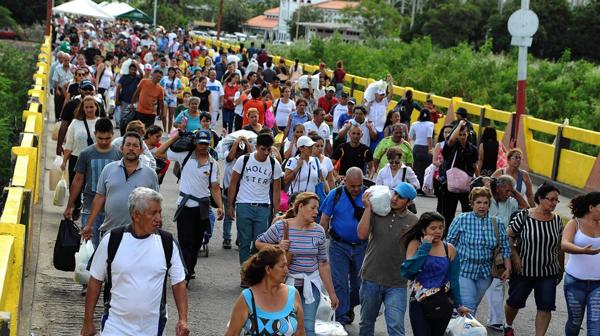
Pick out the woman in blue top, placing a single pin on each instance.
(268, 306)
(298, 117)
(432, 265)
(189, 120)
(474, 236)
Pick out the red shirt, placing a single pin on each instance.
(326, 104)
(260, 106)
(229, 94)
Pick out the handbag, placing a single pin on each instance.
(412, 207)
(498, 261)
(185, 143)
(458, 179)
(66, 245)
(501, 160)
(286, 236)
(437, 306)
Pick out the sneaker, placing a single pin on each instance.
(497, 327)
(227, 244)
(508, 331)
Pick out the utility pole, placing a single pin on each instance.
(154, 16)
(48, 18)
(297, 20)
(522, 25)
(219, 19)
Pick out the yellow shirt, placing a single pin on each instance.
(183, 65)
(275, 92)
(185, 82)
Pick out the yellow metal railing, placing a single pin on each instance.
(22, 193)
(561, 169)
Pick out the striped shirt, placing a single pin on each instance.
(475, 242)
(307, 246)
(538, 244)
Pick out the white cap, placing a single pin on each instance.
(381, 92)
(305, 141)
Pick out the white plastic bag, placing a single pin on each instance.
(314, 82)
(81, 274)
(224, 145)
(82, 258)
(428, 179)
(60, 193)
(55, 130)
(324, 310)
(380, 198)
(465, 326)
(372, 89)
(55, 173)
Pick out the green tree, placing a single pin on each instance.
(376, 18)
(235, 13)
(303, 14)
(585, 28)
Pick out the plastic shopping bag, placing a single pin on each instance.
(86, 250)
(380, 198)
(55, 173)
(428, 179)
(61, 193)
(314, 82)
(373, 88)
(55, 130)
(465, 326)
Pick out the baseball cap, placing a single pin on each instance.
(330, 88)
(406, 191)
(86, 85)
(305, 141)
(381, 92)
(352, 101)
(148, 67)
(202, 137)
(461, 111)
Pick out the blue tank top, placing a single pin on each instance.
(279, 323)
(433, 276)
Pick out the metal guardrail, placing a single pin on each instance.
(23, 192)
(568, 166)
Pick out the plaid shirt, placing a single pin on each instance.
(475, 242)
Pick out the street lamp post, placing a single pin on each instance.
(154, 16)
(522, 24)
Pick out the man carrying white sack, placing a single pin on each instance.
(380, 272)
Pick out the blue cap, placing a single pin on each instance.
(406, 190)
(202, 137)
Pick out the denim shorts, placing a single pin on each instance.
(544, 289)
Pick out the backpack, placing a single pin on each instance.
(245, 162)
(116, 235)
(177, 173)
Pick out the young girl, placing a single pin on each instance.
(433, 266)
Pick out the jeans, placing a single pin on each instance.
(472, 291)
(119, 112)
(346, 261)
(422, 326)
(581, 295)
(495, 299)
(95, 227)
(372, 295)
(228, 119)
(226, 220)
(212, 218)
(251, 221)
(310, 310)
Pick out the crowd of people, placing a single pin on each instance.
(294, 181)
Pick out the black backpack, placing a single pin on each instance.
(116, 235)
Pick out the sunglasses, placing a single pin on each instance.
(396, 162)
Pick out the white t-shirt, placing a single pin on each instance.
(338, 111)
(322, 130)
(420, 131)
(138, 273)
(377, 113)
(283, 112)
(326, 166)
(287, 143)
(194, 177)
(216, 92)
(255, 182)
(171, 86)
(76, 138)
(365, 139)
(239, 108)
(307, 178)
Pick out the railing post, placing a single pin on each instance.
(352, 87)
(559, 143)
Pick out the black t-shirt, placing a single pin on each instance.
(129, 84)
(89, 54)
(204, 102)
(268, 75)
(73, 89)
(352, 157)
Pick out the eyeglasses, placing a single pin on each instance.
(552, 200)
(396, 162)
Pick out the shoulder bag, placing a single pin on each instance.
(497, 261)
(90, 141)
(458, 179)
